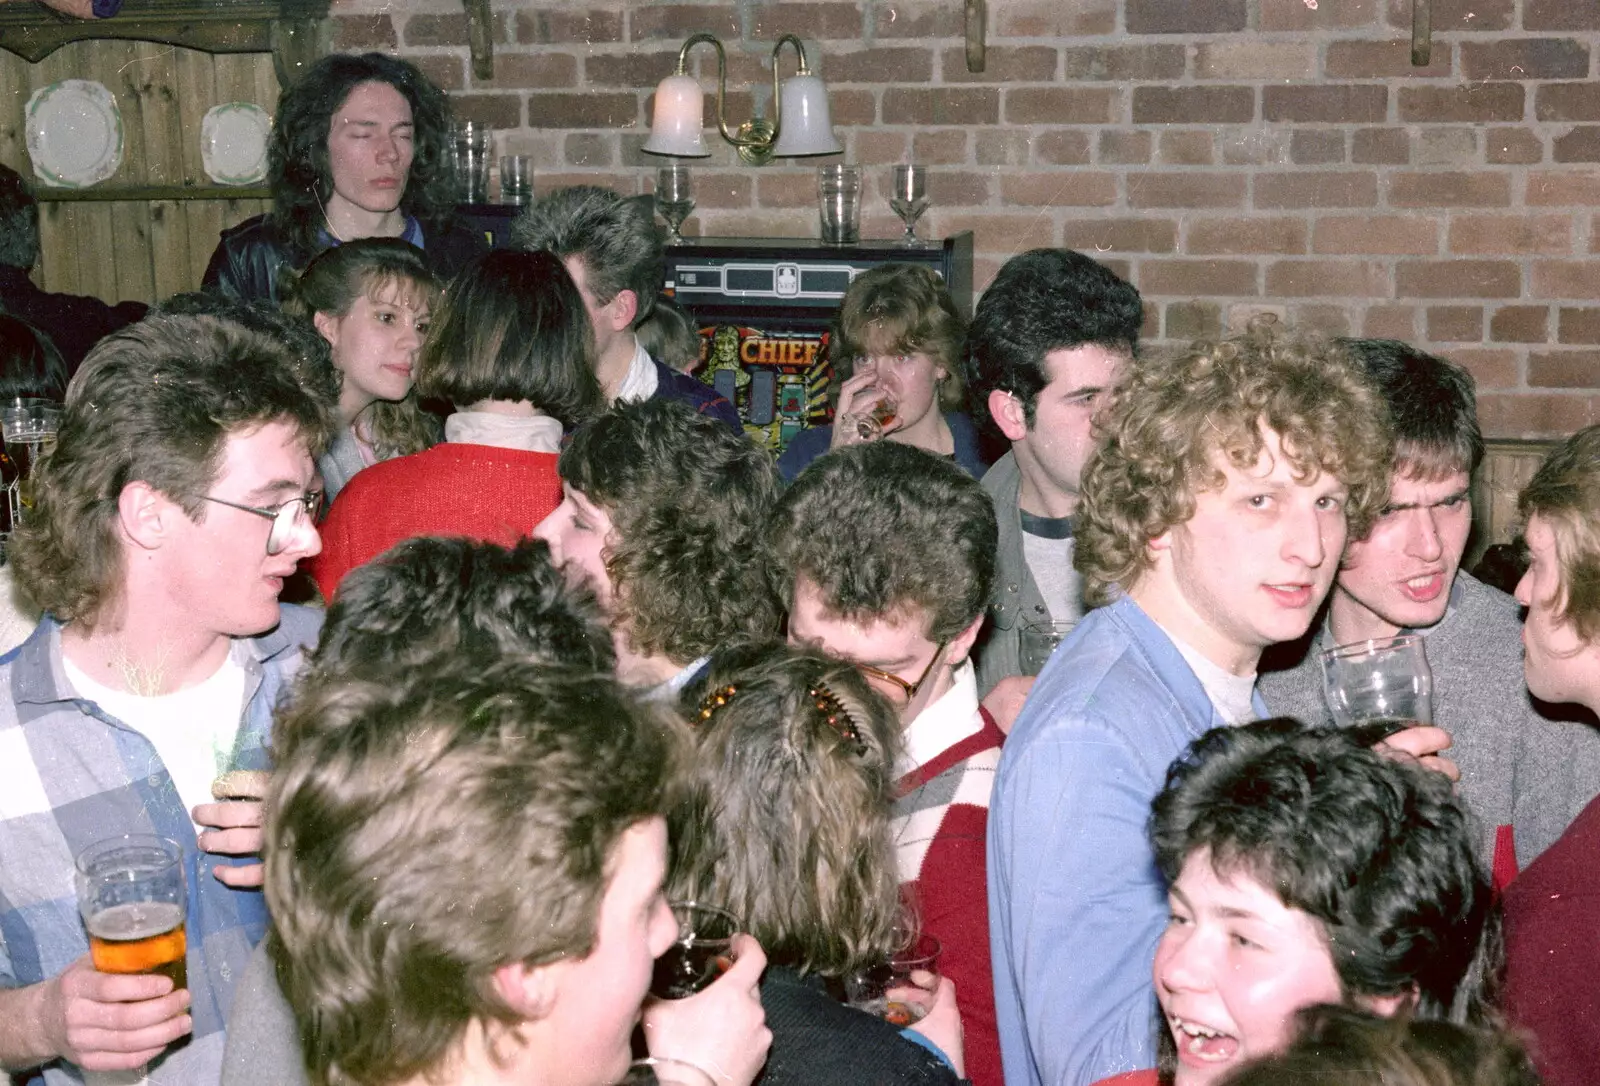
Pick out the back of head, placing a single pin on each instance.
(1045, 300)
(1338, 1046)
(895, 309)
(433, 827)
(19, 221)
(784, 813)
(883, 527)
(688, 499)
(669, 334)
(1378, 850)
(615, 237)
(308, 352)
(1175, 412)
(1565, 495)
(513, 327)
(154, 403)
(30, 365)
(1432, 406)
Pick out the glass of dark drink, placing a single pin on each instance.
(1379, 687)
(131, 895)
(702, 952)
(900, 988)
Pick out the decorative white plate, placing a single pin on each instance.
(74, 133)
(233, 143)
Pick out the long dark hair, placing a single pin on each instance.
(297, 154)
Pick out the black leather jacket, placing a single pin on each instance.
(246, 262)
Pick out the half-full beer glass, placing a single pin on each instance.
(131, 894)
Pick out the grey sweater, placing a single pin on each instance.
(1518, 767)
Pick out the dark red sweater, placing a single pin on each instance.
(479, 491)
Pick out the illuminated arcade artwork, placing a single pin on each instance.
(777, 380)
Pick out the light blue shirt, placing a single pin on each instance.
(1076, 904)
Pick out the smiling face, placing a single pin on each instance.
(1560, 666)
(370, 150)
(1231, 969)
(375, 345)
(1400, 575)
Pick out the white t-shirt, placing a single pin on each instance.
(1229, 693)
(193, 730)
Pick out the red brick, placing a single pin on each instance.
(591, 149)
(786, 190)
(1125, 148)
(1565, 279)
(1193, 105)
(1520, 324)
(1380, 146)
(1049, 19)
(1383, 60)
(1252, 59)
(875, 146)
(996, 232)
(1185, 189)
(1141, 235)
(1567, 102)
(1240, 314)
(1470, 102)
(353, 33)
(1316, 147)
(446, 29)
(1533, 235)
(1376, 235)
(952, 188)
(591, 109)
(1513, 146)
(1316, 189)
(541, 71)
(1186, 147)
(1457, 279)
(1455, 323)
(1235, 236)
(1582, 144)
(1447, 145)
(1562, 189)
(1579, 326)
(499, 110)
(1002, 64)
(1525, 58)
(1559, 15)
(1385, 321)
(894, 19)
(1325, 320)
(1445, 189)
(1346, 15)
(851, 107)
(1064, 188)
(939, 147)
(547, 27)
(1193, 320)
(640, 70)
(1482, 16)
(899, 65)
(1564, 369)
(723, 190)
(1331, 104)
(1490, 367)
(1122, 63)
(810, 21)
(1327, 279)
(1188, 17)
(1254, 145)
(1535, 415)
(1062, 147)
(1197, 278)
(791, 223)
(1005, 147)
(941, 105)
(1055, 105)
(444, 70)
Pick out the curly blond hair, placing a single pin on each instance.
(1176, 412)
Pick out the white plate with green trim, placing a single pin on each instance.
(233, 143)
(74, 131)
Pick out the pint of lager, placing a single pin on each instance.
(131, 894)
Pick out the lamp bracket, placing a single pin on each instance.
(756, 137)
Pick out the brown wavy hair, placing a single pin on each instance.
(784, 813)
(901, 309)
(153, 403)
(1565, 494)
(1174, 413)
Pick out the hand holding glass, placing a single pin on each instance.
(1380, 686)
(131, 896)
(1037, 641)
(702, 952)
(892, 989)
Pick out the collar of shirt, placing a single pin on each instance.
(538, 433)
(945, 722)
(642, 379)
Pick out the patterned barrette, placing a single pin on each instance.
(714, 700)
(837, 714)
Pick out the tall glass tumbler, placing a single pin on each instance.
(839, 203)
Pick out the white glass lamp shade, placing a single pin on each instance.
(807, 128)
(679, 117)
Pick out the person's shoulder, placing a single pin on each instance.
(257, 228)
(671, 384)
(1483, 625)
(1003, 477)
(300, 624)
(802, 449)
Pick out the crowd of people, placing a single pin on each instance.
(578, 649)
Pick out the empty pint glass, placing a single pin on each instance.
(131, 894)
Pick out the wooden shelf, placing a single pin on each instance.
(46, 195)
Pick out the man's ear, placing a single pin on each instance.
(145, 515)
(961, 643)
(624, 307)
(1008, 415)
(529, 990)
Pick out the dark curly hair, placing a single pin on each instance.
(1376, 849)
(688, 498)
(297, 152)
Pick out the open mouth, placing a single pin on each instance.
(1290, 595)
(1199, 1044)
(1425, 588)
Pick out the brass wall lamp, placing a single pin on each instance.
(800, 122)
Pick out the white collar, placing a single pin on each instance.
(944, 722)
(642, 379)
(668, 691)
(536, 433)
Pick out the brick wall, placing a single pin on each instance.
(1229, 156)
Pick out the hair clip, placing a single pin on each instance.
(714, 700)
(838, 716)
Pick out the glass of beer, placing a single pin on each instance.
(1379, 687)
(898, 989)
(702, 952)
(131, 894)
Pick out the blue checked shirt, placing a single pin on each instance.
(70, 775)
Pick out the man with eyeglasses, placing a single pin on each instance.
(1048, 341)
(883, 554)
(176, 502)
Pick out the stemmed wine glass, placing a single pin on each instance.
(909, 199)
(674, 199)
